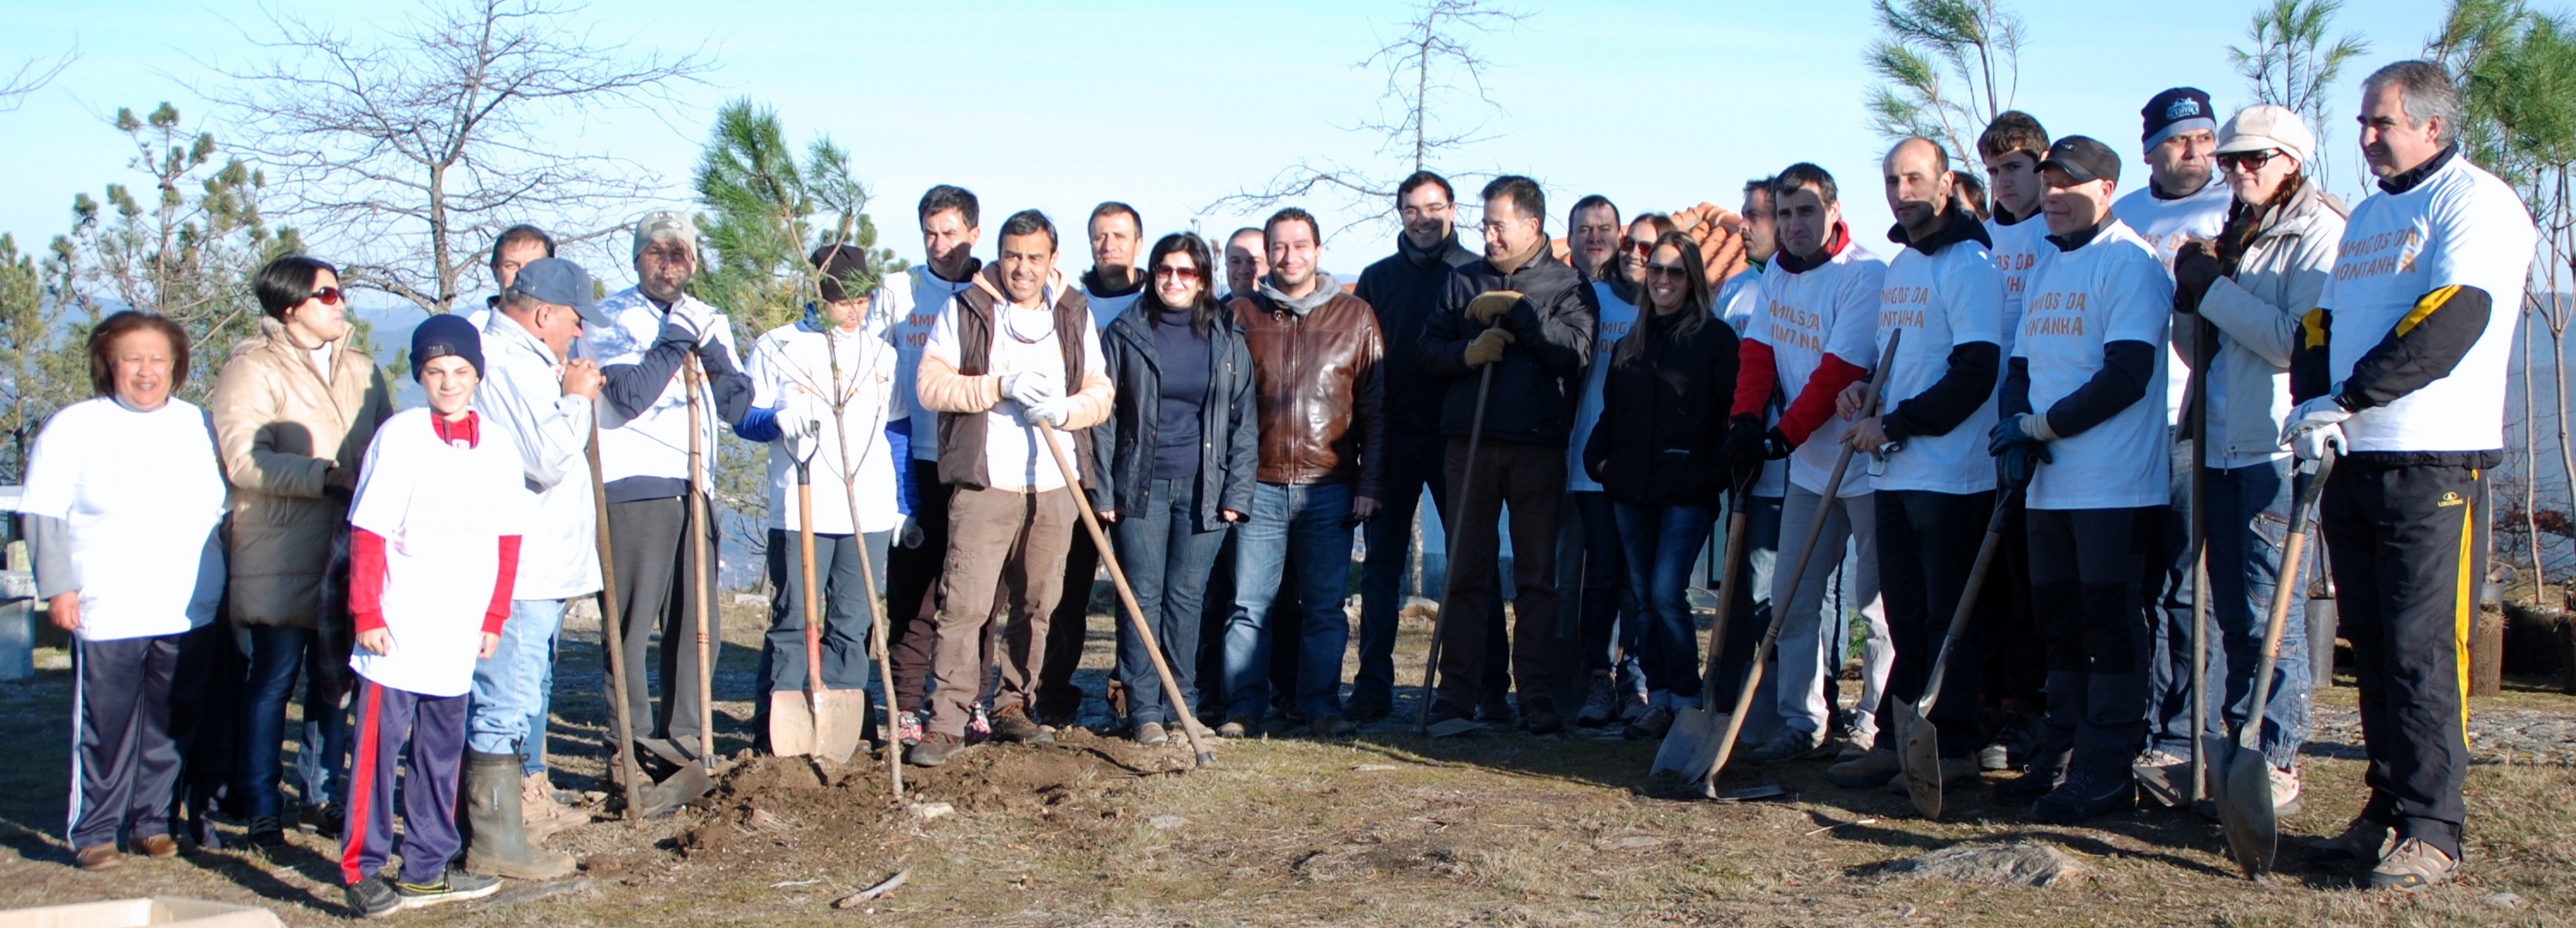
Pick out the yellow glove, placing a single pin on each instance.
(1491, 305)
(1487, 348)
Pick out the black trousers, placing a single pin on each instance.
(2407, 544)
(1068, 628)
(1927, 545)
(657, 586)
(2094, 574)
(124, 763)
(2016, 663)
(912, 585)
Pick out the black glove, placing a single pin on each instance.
(1747, 447)
(2016, 464)
(1776, 444)
(2195, 269)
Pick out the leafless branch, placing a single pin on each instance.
(32, 76)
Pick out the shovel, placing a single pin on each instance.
(2245, 779)
(1200, 746)
(1691, 744)
(867, 575)
(1707, 777)
(826, 722)
(691, 782)
(1917, 739)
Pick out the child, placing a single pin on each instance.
(438, 499)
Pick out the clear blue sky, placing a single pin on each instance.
(1658, 105)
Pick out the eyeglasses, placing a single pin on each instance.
(1176, 271)
(1674, 271)
(2248, 161)
(330, 296)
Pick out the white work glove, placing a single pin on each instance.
(698, 318)
(2315, 425)
(908, 534)
(1031, 388)
(1054, 412)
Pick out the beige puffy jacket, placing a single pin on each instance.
(279, 429)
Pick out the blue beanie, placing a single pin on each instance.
(445, 335)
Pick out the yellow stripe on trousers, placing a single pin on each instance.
(2462, 607)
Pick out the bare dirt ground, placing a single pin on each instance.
(1492, 828)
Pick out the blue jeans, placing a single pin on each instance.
(1167, 560)
(507, 714)
(1608, 601)
(278, 654)
(1311, 520)
(2248, 525)
(1661, 542)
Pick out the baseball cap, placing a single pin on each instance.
(561, 282)
(443, 335)
(661, 224)
(2175, 111)
(2267, 125)
(2083, 158)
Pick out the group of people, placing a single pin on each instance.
(2054, 351)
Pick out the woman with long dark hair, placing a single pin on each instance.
(1659, 452)
(1177, 458)
(123, 497)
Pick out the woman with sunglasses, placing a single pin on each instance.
(1176, 464)
(1659, 452)
(1609, 611)
(294, 409)
(2252, 285)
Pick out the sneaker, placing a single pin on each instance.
(1634, 705)
(1994, 757)
(1538, 715)
(1237, 726)
(979, 725)
(2086, 795)
(907, 728)
(933, 750)
(2413, 865)
(2032, 784)
(1599, 701)
(1362, 710)
(1013, 726)
(2363, 839)
(453, 886)
(1495, 709)
(1785, 745)
(373, 897)
(2285, 791)
(2164, 777)
(1331, 726)
(264, 833)
(1857, 744)
(1956, 772)
(1151, 734)
(1873, 767)
(1651, 726)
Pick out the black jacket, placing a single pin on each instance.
(1541, 373)
(1661, 440)
(1123, 447)
(1404, 288)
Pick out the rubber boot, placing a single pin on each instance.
(496, 842)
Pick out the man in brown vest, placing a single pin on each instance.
(998, 362)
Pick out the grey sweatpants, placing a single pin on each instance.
(657, 582)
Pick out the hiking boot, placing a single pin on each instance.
(2413, 865)
(1538, 714)
(163, 846)
(373, 897)
(2285, 791)
(1362, 709)
(1331, 726)
(1651, 726)
(1446, 712)
(1013, 726)
(497, 842)
(99, 857)
(1785, 745)
(453, 886)
(979, 725)
(1495, 709)
(2032, 784)
(907, 728)
(1237, 726)
(1874, 767)
(1600, 700)
(264, 834)
(933, 749)
(540, 813)
(1151, 734)
(1634, 705)
(2363, 839)
(2086, 795)
(1956, 772)
(2164, 777)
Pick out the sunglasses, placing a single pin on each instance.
(1640, 247)
(2247, 160)
(1176, 272)
(1674, 271)
(330, 296)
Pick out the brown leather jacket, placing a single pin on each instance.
(1319, 376)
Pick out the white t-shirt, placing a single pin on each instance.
(1940, 301)
(911, 310)
(656, 442)
(1617, 317)
(1024, 339)
(1737, 301)
(442, 511)
(2166, 225)
(140, 492)
(2460, 227)
(1830, 309)
(788, 360)
(2017, 249)
(1105, 309)
(2110, 290)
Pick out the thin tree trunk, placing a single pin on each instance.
(2530, 464)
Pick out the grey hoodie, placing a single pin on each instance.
(1325, 289)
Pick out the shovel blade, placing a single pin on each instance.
(678, 789)
(841, 725)
(2245, 810)
(1690, 746)
(791, 725)
(1454, 727)
(1918, 751)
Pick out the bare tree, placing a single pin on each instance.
(2290, 62)
(411, 147)
(1433, 64)
(1947, 68)
(32, 75)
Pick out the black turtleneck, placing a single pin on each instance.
(2408, 179)
(2080, 237)
(1971, 375)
